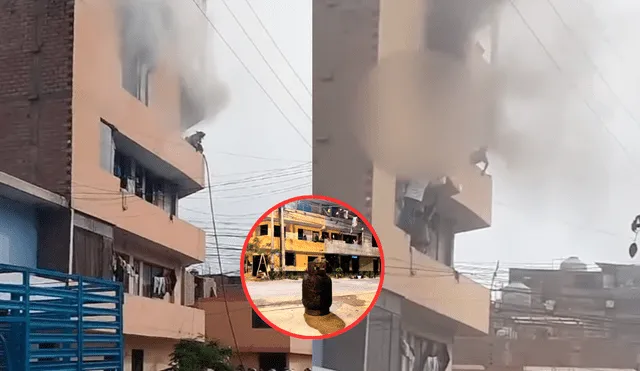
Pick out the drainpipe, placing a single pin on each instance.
(273, 231)
(282, 237)
(71, 230)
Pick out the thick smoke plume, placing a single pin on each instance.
(423, 113)
(177, 35)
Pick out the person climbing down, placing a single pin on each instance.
(480, 157)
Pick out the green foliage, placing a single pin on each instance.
(195, 355)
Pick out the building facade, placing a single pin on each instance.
(261, 347)
(425, 303)
(99, 123)
(313, 231)
(567, 317)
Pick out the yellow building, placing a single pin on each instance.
(308, 236)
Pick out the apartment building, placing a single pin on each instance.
(567, 317)
(98, 122)
(49, 320)
(313, 230)
(261, 347)
(425, 303)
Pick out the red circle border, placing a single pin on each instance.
(248, 239)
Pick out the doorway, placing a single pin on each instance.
(276, 361)
(257, 266)
(355, 264)
(137, 360)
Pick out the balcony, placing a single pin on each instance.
(343, 248)
(127, 211)
(158, 318)
(303, 218)
(455, 301)
(471, 207)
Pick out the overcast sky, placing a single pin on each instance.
(588, 216)
(257, 159)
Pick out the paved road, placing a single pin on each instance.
(288, 288)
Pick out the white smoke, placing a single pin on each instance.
(423, 113)
(177, 34)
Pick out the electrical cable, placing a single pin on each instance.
(266, 31)
(244, 65)
(235, 18)
(222, 283)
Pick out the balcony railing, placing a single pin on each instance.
(343, 248)
(55, 321)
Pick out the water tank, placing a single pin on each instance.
(573, 264)
(516, 294)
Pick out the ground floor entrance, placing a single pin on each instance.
(275, 361)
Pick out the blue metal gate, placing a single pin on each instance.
(53, 321)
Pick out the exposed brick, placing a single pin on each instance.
(36, 57)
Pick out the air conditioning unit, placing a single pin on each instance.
(610, 304)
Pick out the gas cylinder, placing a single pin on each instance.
(317, 293)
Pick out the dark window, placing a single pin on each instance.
(136, 76)
(149, 273)
(300, 234)
(134, 178)
(316, 236)
(137, 360)
(257, 322)
(276, 231)
(289, 258)
(374, 242)
(264, 230)
(272, 361)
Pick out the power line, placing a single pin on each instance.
(235, 18)
(244, 65)
(266, 31)
(222, 283)
(559, 68)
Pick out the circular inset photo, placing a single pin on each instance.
(313, 268)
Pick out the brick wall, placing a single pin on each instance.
(36, 57)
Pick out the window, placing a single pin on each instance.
(289, 259)
(135, 76)
(137, 360)
(301, 234)
(107, 147)
(134, 178)
(149, 274)
(374, 242)
(316, 236)
(264, 230)
(257, 322)
(276, 231)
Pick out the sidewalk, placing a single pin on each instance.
(288, 313)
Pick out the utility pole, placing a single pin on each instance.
(283, 234)
(272, 232)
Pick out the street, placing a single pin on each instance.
(280, 302)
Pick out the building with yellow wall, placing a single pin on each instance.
(310, 235)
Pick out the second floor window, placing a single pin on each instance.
(257, 322)
(135, 179)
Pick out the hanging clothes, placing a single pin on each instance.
(159, 287)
